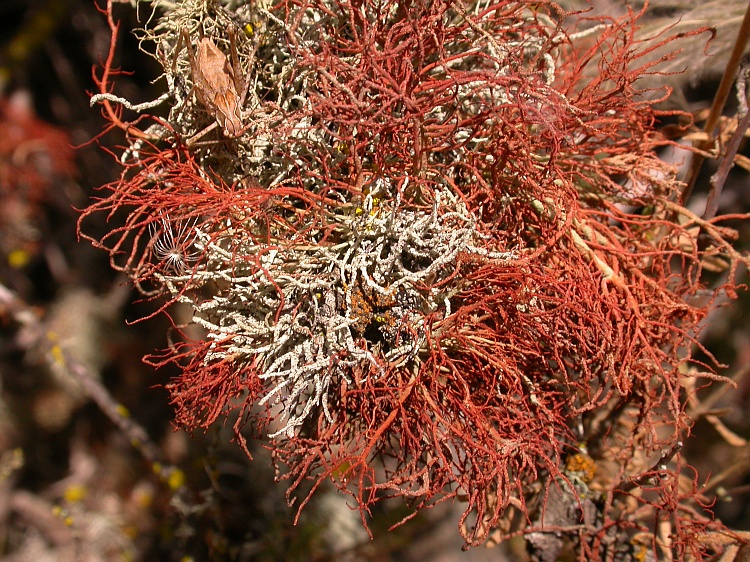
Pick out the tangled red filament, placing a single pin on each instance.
(442, 254)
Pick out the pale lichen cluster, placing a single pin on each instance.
(312, 316)
(281, 127)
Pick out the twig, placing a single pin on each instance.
(718, 105)
(57, 355)
(727, 163)
(706, 404)
(738, 468)
(658, 466)
(98, 98)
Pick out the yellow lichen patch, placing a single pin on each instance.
(63, 515)
(387, 319)
(57, 355)
(18, 258)
(75, 493)
(175, 478)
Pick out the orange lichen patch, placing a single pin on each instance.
(369, 306)
(361, 309)
(581, 465)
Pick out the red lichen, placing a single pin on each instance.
(580, 334)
